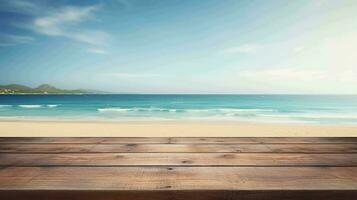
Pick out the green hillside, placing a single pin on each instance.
(42, 89)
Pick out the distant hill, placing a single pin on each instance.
(42, 89)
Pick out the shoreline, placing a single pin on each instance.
(34, 128)
(167, 120)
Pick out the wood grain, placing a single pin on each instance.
(178, 159)
(184, 140)
(84, 140)
(177, 148)
(179, 194)
(271, 140)
(178, 178)
(178, 168)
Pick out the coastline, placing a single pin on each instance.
(33, 128)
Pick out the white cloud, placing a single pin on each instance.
(93, 37)
(297, 80)
(246, 48)
(288, 80)
(10, 40)
(22, 6)
(64, 22)
(298, 49)
(132, 75)
(283, 74)
(56, 23)
(60, 21)
(97, 51)
(324, 65)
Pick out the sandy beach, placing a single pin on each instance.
(170, 129)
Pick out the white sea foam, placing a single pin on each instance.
(224, 111)
(30, 106)
(5, 106)
(314, 115)
(151, 109)
(113, 109)
(241, 114)
(248, 110)
(52, 105)
(229, 110)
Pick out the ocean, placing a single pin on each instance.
(320, 109)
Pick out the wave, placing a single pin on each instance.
(211, 110)
(52, 105)
(5, 106)
(230, 110)
(231, 113)
(314, 115)
(30, 106)
(113, 109)
(136, 110)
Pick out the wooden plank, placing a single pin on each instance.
(194, 140)
(272, 140)
(178, 178)
(89, 140)
(144, 168)
(178, 159)
(177, 148)
(179, 195)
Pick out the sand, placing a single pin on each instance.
(170, 129)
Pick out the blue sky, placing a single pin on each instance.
(179, 46)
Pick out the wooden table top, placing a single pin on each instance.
(178, 168)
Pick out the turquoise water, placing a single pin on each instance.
(256, 108)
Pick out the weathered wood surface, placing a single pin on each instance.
(178, 168)
(84, 140)
(177, 148)
(184, 140)
(181, 194)
(179, 178)
(272, 140)
(178, 159)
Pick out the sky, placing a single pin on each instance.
(181, 46)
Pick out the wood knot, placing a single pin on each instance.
(227, 156)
